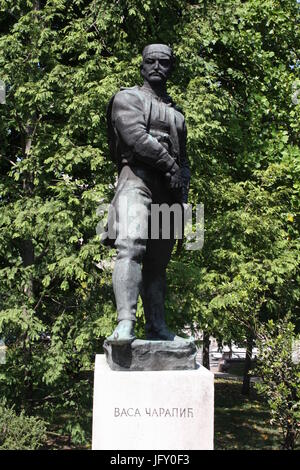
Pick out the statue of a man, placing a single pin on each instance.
(147, 135)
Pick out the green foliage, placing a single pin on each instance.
(280, 378)
(20, 432)
(248, 270)
(238, 63)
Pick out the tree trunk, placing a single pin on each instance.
(27, 255)
(246, 379)
(28, 258)
(289, 438)
(205, 350)
(230, 350)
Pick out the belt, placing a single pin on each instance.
(147, 173)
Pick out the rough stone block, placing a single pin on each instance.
(151, 355)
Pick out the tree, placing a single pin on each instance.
(243, 141)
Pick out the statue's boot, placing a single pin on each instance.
(123, 333)
(127, 278)
(153, 295)
(160, 332)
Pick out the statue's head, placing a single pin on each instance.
(157, 65)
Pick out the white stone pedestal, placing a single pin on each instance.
(156, 410)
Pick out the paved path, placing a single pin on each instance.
(224, 375)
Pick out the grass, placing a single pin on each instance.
(242, 423)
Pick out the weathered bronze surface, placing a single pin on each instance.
(147, 136)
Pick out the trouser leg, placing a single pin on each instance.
(127, 278)
(154, 286)
(153, 296)
(131, 247)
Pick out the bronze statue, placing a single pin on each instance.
(147, 136)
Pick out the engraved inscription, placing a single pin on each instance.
(154, 412)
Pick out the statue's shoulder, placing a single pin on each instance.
(131, 89)
(127, 93)
(177, 108)
(127, 98)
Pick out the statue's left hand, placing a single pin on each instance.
(174, 180)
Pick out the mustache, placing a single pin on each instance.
(158, 73)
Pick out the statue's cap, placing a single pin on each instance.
(153, 49)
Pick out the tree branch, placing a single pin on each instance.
(7, 159)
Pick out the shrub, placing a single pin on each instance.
(20, 432)
(280, 378)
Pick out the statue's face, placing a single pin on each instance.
(156, 68)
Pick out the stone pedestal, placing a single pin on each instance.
(156, 410)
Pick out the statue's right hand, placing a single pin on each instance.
(174, 183)
(174, 179)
